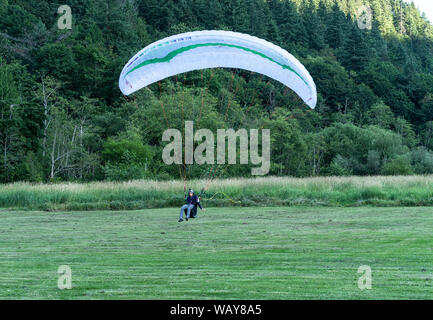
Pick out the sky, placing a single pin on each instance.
(425, 6)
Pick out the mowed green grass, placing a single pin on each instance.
(228, 253)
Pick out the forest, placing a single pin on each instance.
(63, 117)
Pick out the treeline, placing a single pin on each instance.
(62, 116)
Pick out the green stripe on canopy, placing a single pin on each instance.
(176, 52)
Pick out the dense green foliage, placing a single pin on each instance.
(62, 116)
(248, 253)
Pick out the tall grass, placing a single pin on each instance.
(264, 191)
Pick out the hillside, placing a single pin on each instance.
(62, 116)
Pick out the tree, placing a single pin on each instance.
(427, 135)
(333, 83)
(398, 166)
(126, 158)
(380, 115)
(354, 52)
(404, 130)
(314, 29)
(11, 137)
(47, 95)
(422, 161)
(336, 27)
(289, 149)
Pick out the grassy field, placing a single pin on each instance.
(228, 253)
(402, 191)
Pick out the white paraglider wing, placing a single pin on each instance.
(213, 49)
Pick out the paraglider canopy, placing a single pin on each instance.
(213, 49)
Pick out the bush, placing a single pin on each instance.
(373, 162)
(398, 166)
(124, 171)
(126, 150)
(340, 166)
(126, 159)
(34, 171)
(422, 160)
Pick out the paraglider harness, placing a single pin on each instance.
(193, 213)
